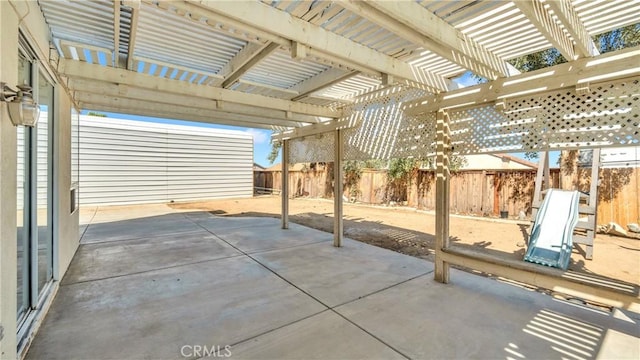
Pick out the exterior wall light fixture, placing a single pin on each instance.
(23, 110)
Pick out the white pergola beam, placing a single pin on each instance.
(198, 13)
(276, 22)
(79, 69)
(315, 129)
(566, 282)
(414, 23)
(568, 16)
(609, 66)
(135, 13)
(248, 57)
(159, 106)
(116, 33)
(321, 81)
(535, 11)
(298, 51)
(170, 115)
(135, 93)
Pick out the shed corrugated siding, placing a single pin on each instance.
(129, 162)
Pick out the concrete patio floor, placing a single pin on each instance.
(153, 283)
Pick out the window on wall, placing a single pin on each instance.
(75, 158)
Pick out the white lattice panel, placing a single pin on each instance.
(384, 131)
(607, 116)
(314, 148)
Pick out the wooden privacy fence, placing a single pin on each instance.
(473, 192)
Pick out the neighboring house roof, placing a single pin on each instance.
(497, 162)
(257, 166)
(515, 159)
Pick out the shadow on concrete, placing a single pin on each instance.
(422, 245)
(409, 242)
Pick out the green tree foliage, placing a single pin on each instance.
(275, 150)
(399, 176)
(618, 39)
(401, 169)
(352, 175)
(96, 114)
(457, 162)
(539, 60)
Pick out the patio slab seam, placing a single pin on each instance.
(330, 308)
(272, 330)
(133, 238)
(62, 283)
(219, 217)
(333, 308)
(263, 251)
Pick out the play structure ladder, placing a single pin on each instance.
(585, 230)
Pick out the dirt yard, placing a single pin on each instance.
(412, 232)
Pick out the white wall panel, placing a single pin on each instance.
(128, 162)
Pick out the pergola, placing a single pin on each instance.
(348, 80)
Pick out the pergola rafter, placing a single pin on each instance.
(321, 81)
(248, 57)
(320, 42)
(133, 30)
(413, 22)
(566, 14)
(536, 12)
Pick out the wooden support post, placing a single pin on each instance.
(593, 202)
(284, 194)
(337, 189)
(443, 149)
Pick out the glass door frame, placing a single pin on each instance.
(31, 233)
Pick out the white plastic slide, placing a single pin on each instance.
(551, 237)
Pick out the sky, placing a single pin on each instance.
(261, 138)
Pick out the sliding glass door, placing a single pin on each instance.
(44, 175)
(24, 303)
(34, 190)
